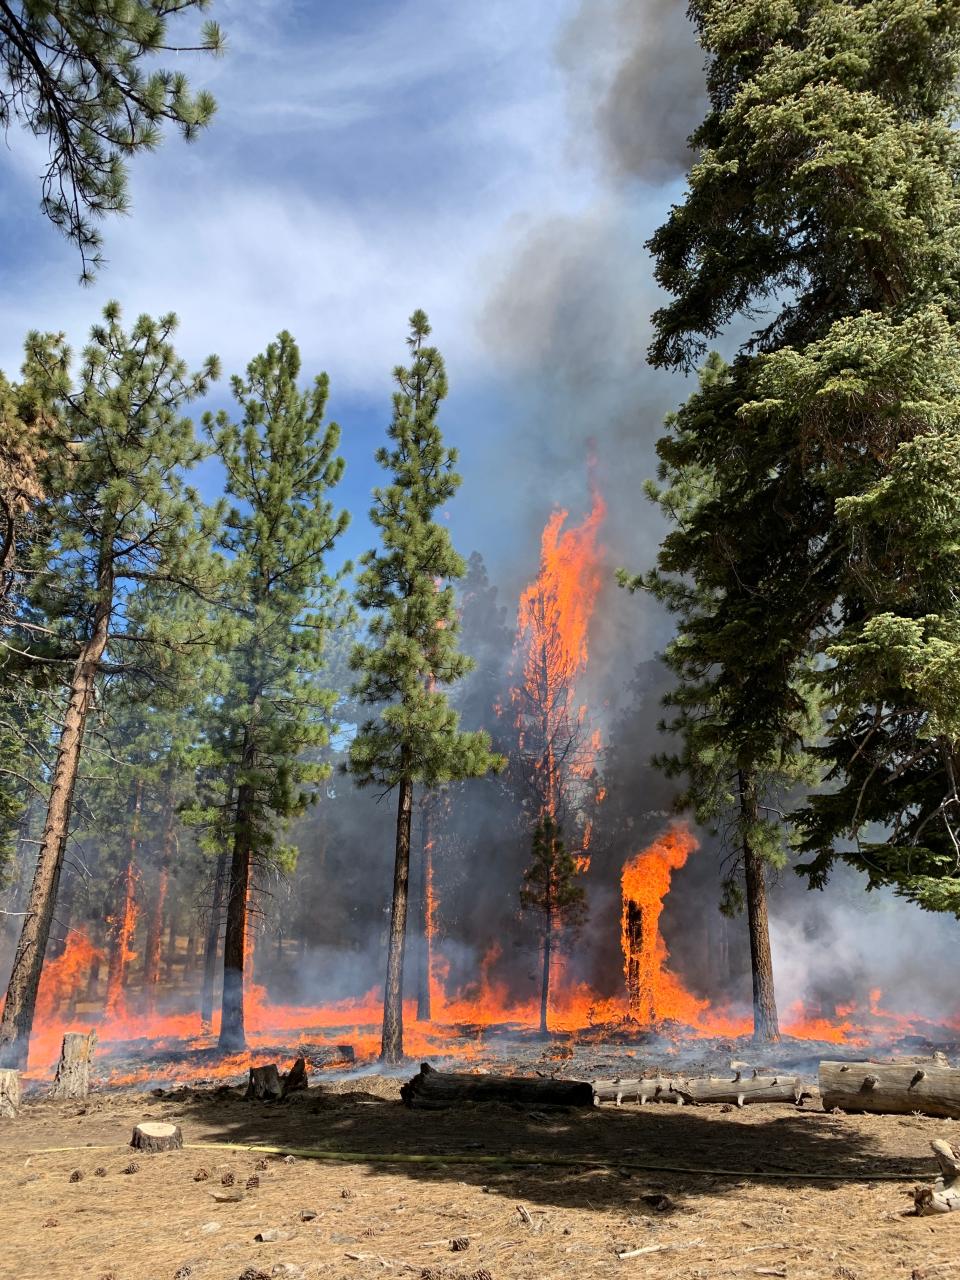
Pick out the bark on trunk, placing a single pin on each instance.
(73, 1070)
(213, 942)
(17, 1021)
(232, 1029)
(766, 1026)
(891, 1088)
(432, 1090)
(547, 957)
(391, 1047)
(9, 1095)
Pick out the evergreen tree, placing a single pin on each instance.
(119, 515)
(282, 462)
(551, 887)
(412, 656)
(824, 192)
(74, 74)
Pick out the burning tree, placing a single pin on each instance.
(120, 514)
(281, 462)
(551, 887)
(555, 762)
(412, 651)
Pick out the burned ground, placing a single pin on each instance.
(376, 1216)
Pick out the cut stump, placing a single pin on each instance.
(9, 1094)
(264, 1084)
(892, 1088)
(73, 1070)
(944, 1195)
(432, 1090)
(295, 1079)
(157, 1135)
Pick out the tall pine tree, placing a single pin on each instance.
(282, 463)
(120, 514)
(411, 656)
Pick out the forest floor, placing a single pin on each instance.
(363, 1216)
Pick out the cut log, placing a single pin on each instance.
(73, 1070)
(944, 1195)
(264, 1084)
(295, 1079)
(9, 1094)
(891, 1088)
(743, 1090)
(157, 1135)
(739, 1090)
(652, 1089)
(431, 1089)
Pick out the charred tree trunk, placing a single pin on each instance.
(766, 1026)
(153, 944)
(433, 1090)
(17, 1021)
(547, 959)
(213, 942)
(123, 922)
(232, 1030)
(427, 923)
(391, 1047)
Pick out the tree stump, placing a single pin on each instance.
(295, 1079)
(892, 1088)
(944, 1195)
(264, 1084)
(73, 1070)
(157, 1135)
(432, 1090)
(9, 1094)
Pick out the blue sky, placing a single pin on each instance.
(371, 158)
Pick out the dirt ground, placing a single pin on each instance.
(363, 1217)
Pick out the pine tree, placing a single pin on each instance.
(281, 462)
(412, 656)
(73, 74)
(824, 193)
(120, 514)
(551, 887)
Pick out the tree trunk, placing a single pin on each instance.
(431, 1090)
(153, 943)
(427, 918)
(766, 1026)
(125, 920)
(173, 936)
(232, 1030)
(391, 1047)
(17, 1021)
(213, 942)
(9, 1095)
(547, 958)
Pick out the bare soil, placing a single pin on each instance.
(153, 1220)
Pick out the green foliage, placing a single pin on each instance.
(551, 883)
(74, 73)
(412, 653)
(824, 195)
(273, 708)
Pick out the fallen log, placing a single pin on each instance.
(73, 1070)
(891, 1088)
(944, 1195)
(156, 1135)
(431, 1089)
(9, 1094)
(679, 1090)
(651, 1089)
(264, 1084)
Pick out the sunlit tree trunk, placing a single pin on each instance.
(391, 1049)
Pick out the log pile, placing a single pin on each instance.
(738, 1091)
(433, 1090)
(73, 1070)
(931, 1088)
(9, 1095)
